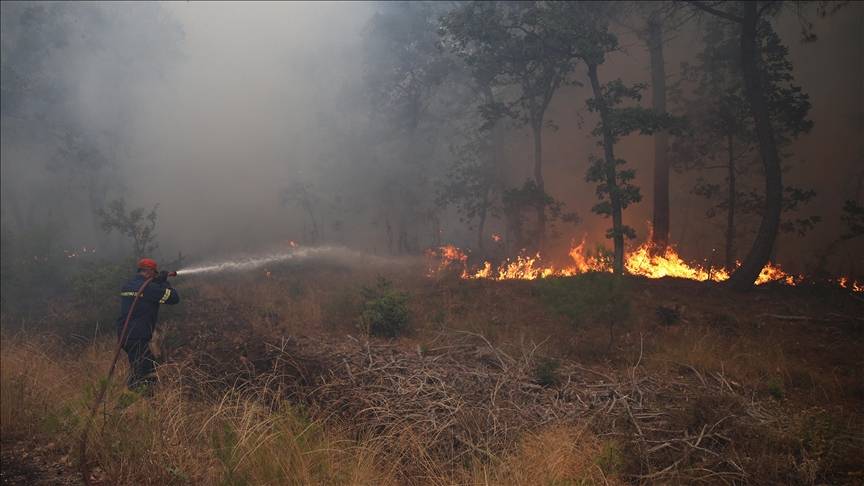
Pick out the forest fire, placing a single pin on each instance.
(639, 261)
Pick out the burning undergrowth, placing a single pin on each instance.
(641, 261)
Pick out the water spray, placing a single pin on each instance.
(333, 253)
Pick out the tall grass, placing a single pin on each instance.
(192, 431)
(232, 438)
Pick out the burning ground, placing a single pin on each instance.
(269, 377)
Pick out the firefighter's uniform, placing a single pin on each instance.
(142, 323)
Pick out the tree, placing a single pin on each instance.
(760, 90)
(722, 135)
(136, 224)
(759, 98)
(582, 32)
(300, 195)
(404, 67)
(853, 220)
(652, 21)
(58, 162)
(510, 43)
(472, 181)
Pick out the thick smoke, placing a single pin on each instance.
(251, 124)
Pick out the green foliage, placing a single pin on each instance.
(723, 134)
(627, 193)
(385, 310)
(470, 181)
(614, 183)
(507, 44)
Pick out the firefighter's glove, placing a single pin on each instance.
(162, 277)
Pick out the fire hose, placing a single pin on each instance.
(103, 389)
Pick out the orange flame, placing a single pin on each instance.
(853, 285)
(445, 258)
(641, 261)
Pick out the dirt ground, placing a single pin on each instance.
(29, 464)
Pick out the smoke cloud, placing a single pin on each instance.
(213, 109)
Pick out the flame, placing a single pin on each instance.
(444, 258)
(496, 237)
(524, 267)
(853, 285)
(641, 261)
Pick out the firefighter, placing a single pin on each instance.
(142, 322)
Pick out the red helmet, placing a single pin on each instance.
(147, 263)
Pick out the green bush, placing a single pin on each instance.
(385, 310)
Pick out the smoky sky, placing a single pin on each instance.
(251, 97)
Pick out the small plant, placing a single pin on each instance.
(385, 310)
(546, 372)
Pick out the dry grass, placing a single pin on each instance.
(723, 396)
(235, 437)
(570, 455)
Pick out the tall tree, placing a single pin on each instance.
(404, 66)
(510, 42)
(760, 89)
(582, 31)
(660, 226)
(653, 22)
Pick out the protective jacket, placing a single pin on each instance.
(143, 320)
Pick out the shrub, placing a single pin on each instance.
(385, 310)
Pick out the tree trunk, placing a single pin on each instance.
(389, 229)
(537, 127)
(611, 176)
(730, 210)
(492, 139)
(745, 275)
(482, 224)
(660, 225)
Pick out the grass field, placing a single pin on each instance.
(269, 378)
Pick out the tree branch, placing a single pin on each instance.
(716, 12)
